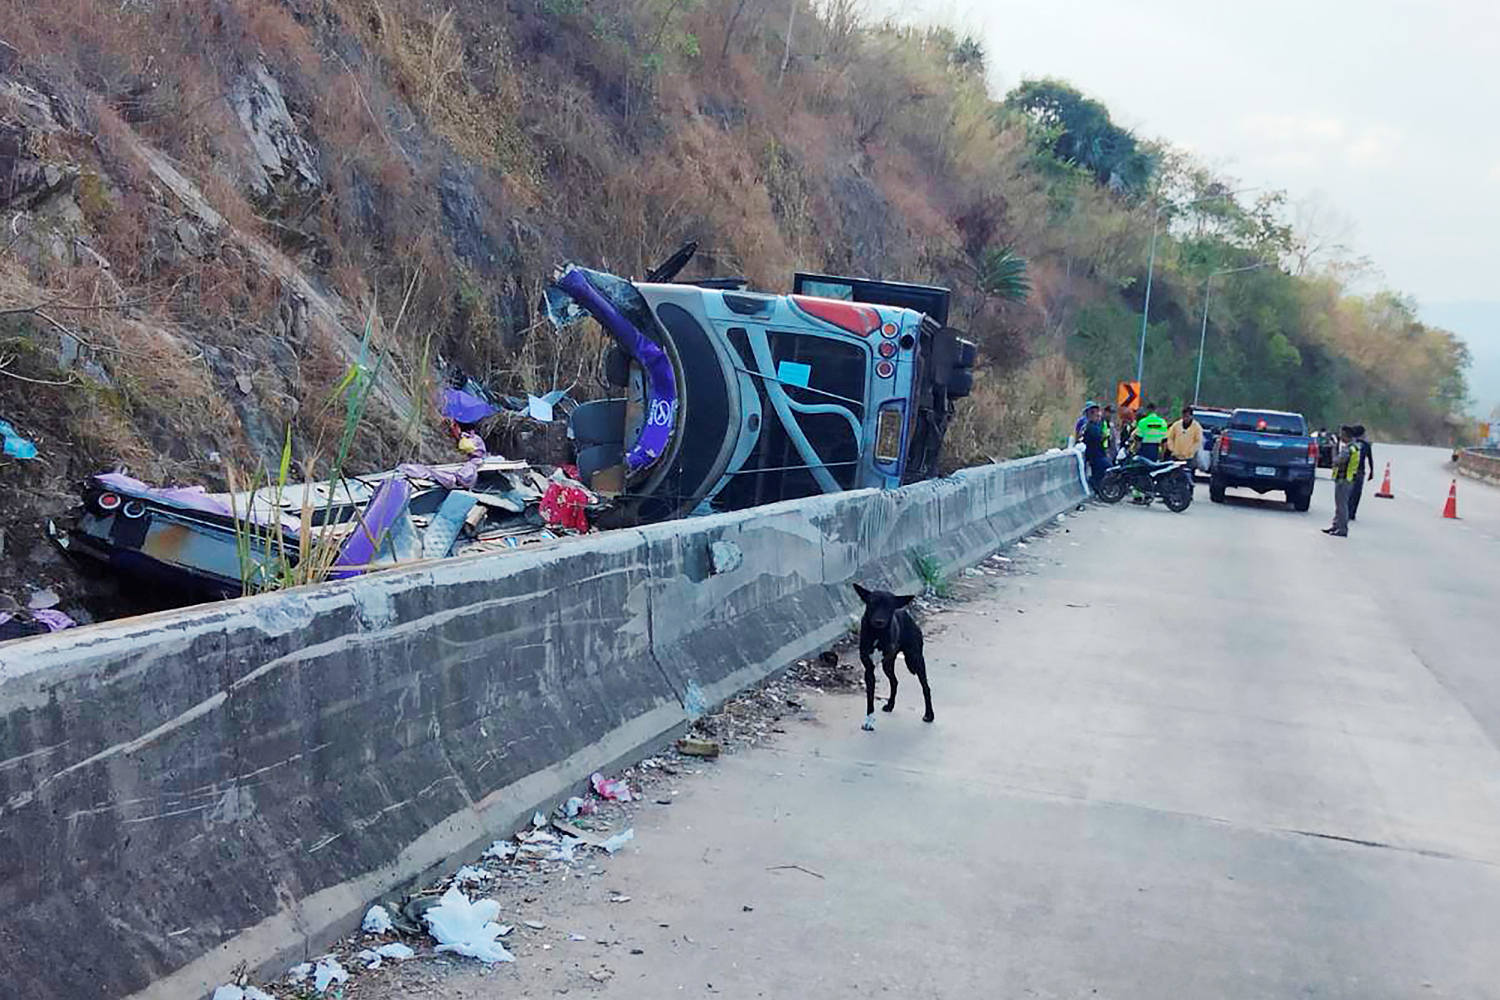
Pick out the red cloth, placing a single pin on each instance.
(563, 506)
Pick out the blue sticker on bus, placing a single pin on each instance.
(793, 373)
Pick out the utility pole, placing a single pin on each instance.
(1203, 330)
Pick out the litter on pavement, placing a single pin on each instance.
(614, 789)
(694, 746)
(466, 927)
(618, 841)
(375, 957)
(377, 920)
(232, 992)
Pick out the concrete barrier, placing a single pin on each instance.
(1480, 463)
(184, 792)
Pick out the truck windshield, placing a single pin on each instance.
(1269, 422)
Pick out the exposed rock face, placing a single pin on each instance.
(279, 154)
(26, 178)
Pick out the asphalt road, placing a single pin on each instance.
(1207, 755)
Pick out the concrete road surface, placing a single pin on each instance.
(1208, 755)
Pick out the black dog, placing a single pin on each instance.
(890, 628)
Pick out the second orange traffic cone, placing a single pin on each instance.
(1450, 509)
(1385, 487)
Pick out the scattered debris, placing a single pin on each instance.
(618, 841)
(796, 868)
(501, 850)
(613, 789)
(467, 927)
(233, 992)
(563, 506)
(693, 746)
(573, 807)
(619, 899)
(375, 957)
(377, 920)
(18, 623)
(469, 874)
(535, 925)
(43, 599)
(578, 833)
(327, 972)
(14, 444)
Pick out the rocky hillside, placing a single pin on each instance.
(215, 210)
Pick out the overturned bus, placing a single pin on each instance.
(727, 399)
(730, 398)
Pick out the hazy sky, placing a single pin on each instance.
(1385, 115)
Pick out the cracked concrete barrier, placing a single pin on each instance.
(233, 783)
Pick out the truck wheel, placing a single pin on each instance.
(1300, 499)
(1216, 491)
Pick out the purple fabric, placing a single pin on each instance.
(55, 620)
(661, 384)
(465, 407)
(454, 477)
(188, 497)
(388, 503)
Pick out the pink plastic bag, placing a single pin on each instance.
(614, 789)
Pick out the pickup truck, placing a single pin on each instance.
(1266, 450)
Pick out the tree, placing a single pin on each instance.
(1002, 273)
(968, 55)
(1078, 130)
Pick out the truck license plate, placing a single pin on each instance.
(1264, 470)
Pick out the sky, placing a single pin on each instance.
(1380, 119)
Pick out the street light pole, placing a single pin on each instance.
(1140, 358)
(1202, 337)
(1203, 330)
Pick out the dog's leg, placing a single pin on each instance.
(889, 666)
(869, 725)
(918, 665)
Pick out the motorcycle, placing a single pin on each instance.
(1172, 481)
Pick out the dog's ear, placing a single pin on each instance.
(864, 595)
(902, 602)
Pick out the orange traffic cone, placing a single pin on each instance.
(1385, 487)
(1450, 509)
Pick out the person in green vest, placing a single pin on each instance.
(1150, 432)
